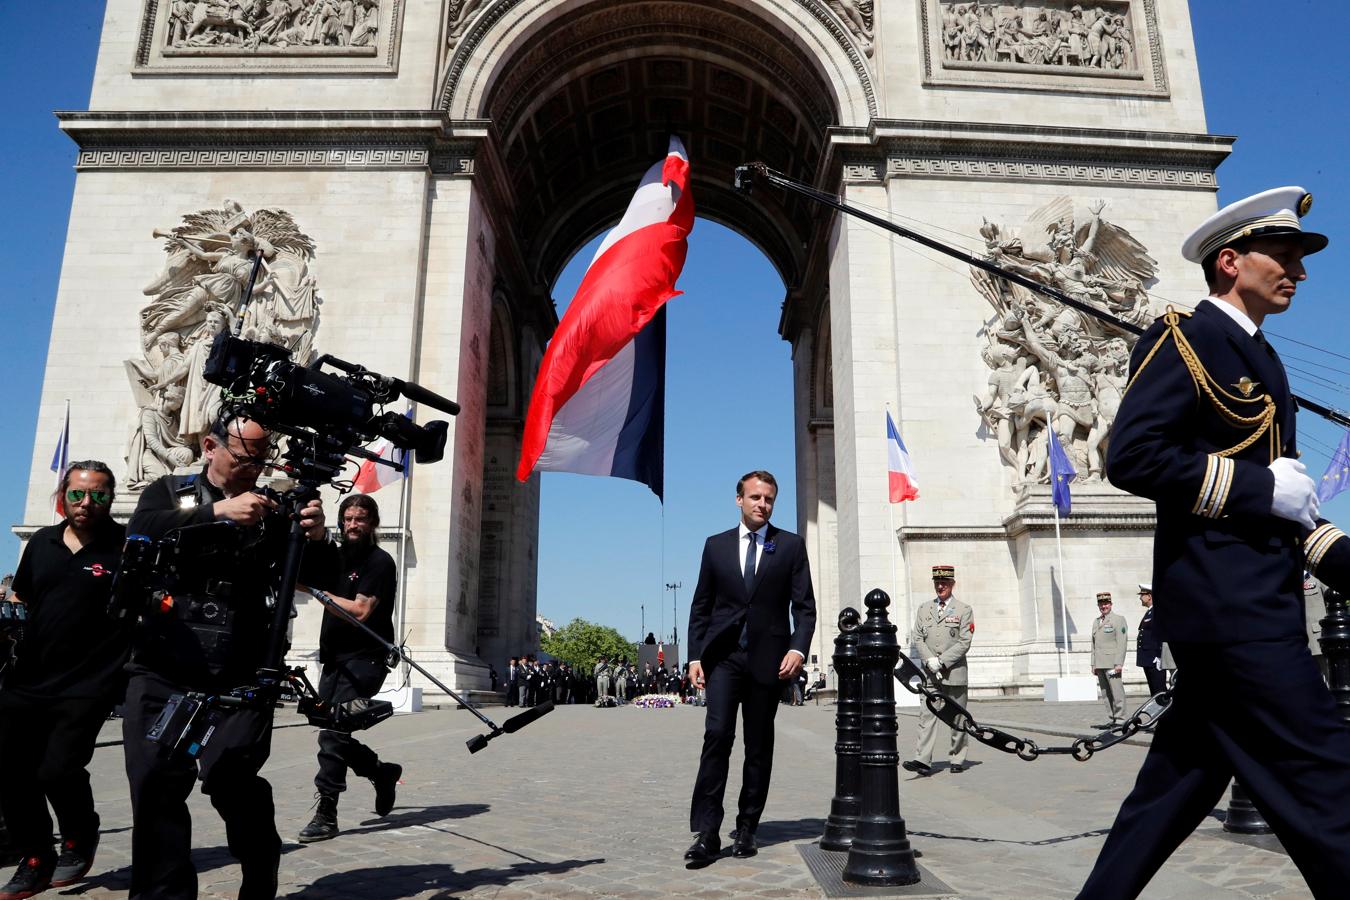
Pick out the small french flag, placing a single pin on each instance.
(903, 485)
(372, 476)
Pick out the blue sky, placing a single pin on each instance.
(1277, 76)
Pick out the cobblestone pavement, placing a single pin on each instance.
(589, 802)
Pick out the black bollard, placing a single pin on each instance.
(843, 820)
(1335, 642)
(1242, 816)
(880, 854)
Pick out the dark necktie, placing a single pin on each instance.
(750, 564)
(749, 573)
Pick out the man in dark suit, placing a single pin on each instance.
(741, 650)
(1206, 430)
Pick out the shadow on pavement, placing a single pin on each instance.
(396, 882)
(407, 817)
(770, 833)
(1044, 842)
(204, 859)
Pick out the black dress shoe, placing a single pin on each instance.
(744, 844)
(704, 849)
(914, 765)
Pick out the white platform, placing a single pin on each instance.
(905, 698)
(405, 699)
(1067, 688)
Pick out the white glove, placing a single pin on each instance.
(933, 663)
(1157, 663)
(1295, 495)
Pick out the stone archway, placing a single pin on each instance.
(580, 99)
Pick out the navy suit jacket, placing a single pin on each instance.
(782, 587)
(1224, 567)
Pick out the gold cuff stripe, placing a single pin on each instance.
(1215, 488)
(1206, 486)
(1317, 544)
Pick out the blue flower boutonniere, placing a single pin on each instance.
(769, 547)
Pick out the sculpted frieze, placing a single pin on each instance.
(1054, 369)
(281, 24)
(199, 294)
(1057, 34)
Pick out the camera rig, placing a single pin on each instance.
(326, 417)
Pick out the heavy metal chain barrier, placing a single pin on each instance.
(917, 680)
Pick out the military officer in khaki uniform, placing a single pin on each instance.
(1314, 609)
(1108, 658)
(943, 630)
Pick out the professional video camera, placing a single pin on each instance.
(329, 415)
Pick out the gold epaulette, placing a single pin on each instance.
(1316, 545)
(1263, 422)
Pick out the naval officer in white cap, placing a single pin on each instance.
(1206, 430)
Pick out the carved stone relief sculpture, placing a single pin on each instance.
(1053, 367)
(199, 294)
(857, 17)
(272, 24)
(462, 14)
(1060, 34)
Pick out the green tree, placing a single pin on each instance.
(580, 643)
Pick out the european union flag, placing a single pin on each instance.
(1061, 473)
(1337, 476)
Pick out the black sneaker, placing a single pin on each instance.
(324, 824)
(32, 878)
(75, 861)
(386, 784)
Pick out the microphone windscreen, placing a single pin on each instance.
(515, 723)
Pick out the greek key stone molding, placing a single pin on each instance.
(463, 44)
(270, 140)
(1015, 170)
(998, 152)
(179, 37)
(254, 158)
(864, 169)
(1044, 46)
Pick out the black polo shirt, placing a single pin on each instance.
(365, 570)
(71, 647)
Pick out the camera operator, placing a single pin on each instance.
(353, 664)
(212, 638)
(65, 680)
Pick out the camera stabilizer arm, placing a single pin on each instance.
(394, 653)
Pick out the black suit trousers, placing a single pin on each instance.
(1256, 710)
(729, 686)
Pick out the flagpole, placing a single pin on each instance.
(63, 457)
(1063, 614)
(403, 518)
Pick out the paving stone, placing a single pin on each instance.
(594, 803)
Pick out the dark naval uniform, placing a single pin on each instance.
(1207, 410)
(1148, 653)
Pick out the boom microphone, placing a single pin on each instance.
(517, 722)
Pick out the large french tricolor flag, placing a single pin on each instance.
(599, 399)
(901, 472)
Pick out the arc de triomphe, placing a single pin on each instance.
(420, 170)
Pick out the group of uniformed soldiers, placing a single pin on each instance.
(622, 681)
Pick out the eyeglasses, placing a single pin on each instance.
(248, 462)
(98, 498)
